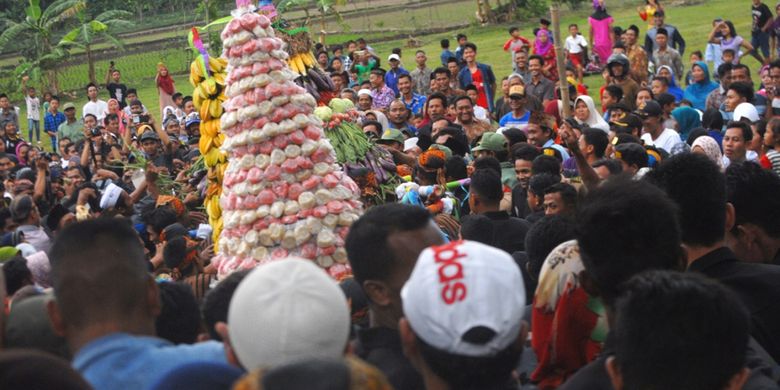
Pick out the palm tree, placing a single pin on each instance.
(36, 30)
(89, 30)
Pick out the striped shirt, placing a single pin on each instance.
(774, 158)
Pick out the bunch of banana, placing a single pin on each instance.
(301, 63)
(208, 96)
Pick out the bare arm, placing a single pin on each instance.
(39, 190)
(589, 176)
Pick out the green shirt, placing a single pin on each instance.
(364, 70)
(508, 175)
(74, 131)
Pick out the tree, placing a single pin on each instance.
(325, 7)
(89, 30)
(37, 30)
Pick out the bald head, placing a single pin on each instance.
(100, 274)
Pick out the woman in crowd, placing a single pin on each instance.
(165, 88)
(697, 92)
(586, 114)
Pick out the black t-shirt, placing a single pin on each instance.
(508, 232)
(761, 15)
(381, 347)
(118, 92)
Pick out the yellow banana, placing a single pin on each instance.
(301, 64)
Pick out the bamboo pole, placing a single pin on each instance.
(560, 61)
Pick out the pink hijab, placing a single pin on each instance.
(539, 47)
(120, 113)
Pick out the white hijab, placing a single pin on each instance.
(594, 118)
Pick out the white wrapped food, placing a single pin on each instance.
(325, 261)
(323, 196)
(260, 253)
(291, 207)
(340, 256)
(292, 151)
(263, 211)
(277, 157)
(264, 238)
(277, 232)
(288, 241)
(251, 237)
(307, 200)
(321, 169)
(248, 217)
(277, 209)
(330, 221)
(326, 238)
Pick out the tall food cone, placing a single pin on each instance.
(283, 194)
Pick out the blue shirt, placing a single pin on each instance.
(509, 120)
(391, 78)
(551, 144)
(416, 105)
(53, 122)
(446, 54)
(124, 361)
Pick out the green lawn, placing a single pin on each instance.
(693, 22)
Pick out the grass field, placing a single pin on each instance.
(693, 22)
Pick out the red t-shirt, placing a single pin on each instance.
(476, 79)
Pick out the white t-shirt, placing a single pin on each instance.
(665, 141)
(574, 44)
(481, 113)
(33, 107)
(98, 109)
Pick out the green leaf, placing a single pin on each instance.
(13, 32)
(33, 11)
(97, 26)
(115, 14)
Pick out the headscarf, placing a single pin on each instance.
(599, 10)
(594, 118)
(120, 113)
(540, 48)
(568, 324)
(674, 89)
(687, 119)
(697, 92)
(710, 148)
(164, 82)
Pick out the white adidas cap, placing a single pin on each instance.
(465, 298)
(285, 311)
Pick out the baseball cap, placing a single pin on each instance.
(364, 92)
(410, 143)
(626, 124)
(465, 298)
(110, 195)
(191, 120)
(632, 154)
(447, 151)
(68, 106)
(746, 111)
(393, 56)
(517, 90)
(285, 311)
(491, 141)
(149, 134)
(651, 108)
(392, 135)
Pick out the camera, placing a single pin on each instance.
(95, 132)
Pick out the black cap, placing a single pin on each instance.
(626, 124)
(632, 154)
(651, 108)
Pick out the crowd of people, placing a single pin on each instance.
(632, 245)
